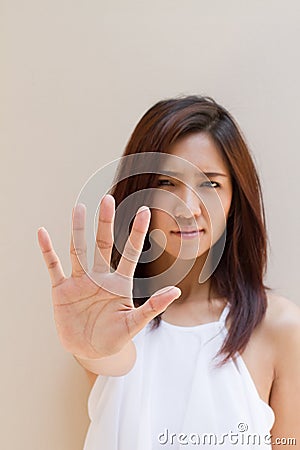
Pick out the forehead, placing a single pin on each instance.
(199, 150)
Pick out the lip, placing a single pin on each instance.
(188, 234)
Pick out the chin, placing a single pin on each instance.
(188, 255)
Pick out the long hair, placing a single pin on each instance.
(241, 269)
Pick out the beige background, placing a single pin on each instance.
(76, 77)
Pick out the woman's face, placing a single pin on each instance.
(190, 214)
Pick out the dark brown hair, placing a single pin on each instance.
(240, 272)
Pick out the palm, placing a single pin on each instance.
(93, 310)
(82, 309)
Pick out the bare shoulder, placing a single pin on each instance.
(282, 320)
(283, 323)
(281, 311)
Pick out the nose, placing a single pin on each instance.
(190, 204)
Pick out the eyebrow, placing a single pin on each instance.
(208, 174)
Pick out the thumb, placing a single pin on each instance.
(155, 305)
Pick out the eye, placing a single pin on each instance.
(210, 183)
(164, 182)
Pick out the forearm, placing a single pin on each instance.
(116, 365)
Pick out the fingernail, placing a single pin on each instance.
(178, 293)
(80, 208)
(169, 288)
(142, 208)
(106, 196)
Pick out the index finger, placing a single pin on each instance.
(134, 245)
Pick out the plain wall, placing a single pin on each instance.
(76, 77)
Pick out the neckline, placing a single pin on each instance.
(221, 321)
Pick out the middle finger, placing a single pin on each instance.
(104, 238)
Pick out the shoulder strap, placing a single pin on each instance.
(224, 313)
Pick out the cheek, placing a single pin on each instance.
(218, 215)
(227, 204)
(159, 228)
(159, 220)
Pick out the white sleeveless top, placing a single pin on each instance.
(176, 398)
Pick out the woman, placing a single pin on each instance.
(215, 352)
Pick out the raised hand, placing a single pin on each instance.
(94, 311)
